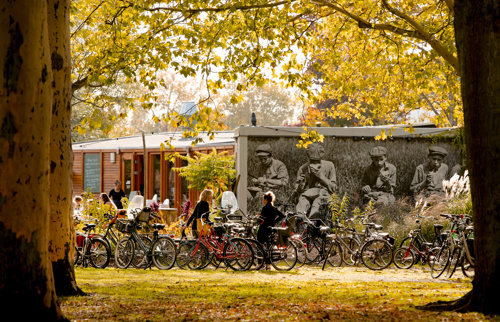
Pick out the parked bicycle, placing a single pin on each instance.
(457, 250)
(237, 253)
(161, 250)
(90, 248)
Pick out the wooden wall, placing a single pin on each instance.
(110, 172)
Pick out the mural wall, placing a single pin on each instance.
(364, 169)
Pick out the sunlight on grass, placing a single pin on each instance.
(306, 294)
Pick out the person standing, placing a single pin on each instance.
(269, 215)
(117, 194)
(202, 208)
(429, 176)
(379, 179)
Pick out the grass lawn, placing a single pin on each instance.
(306, 294)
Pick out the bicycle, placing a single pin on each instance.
(375, 253)
(92, 248)
(406, 256)
(161, 251)
(419, 240)
(457, 248)
(237, 253)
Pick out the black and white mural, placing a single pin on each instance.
(383, 171)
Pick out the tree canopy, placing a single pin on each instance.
(389, 57)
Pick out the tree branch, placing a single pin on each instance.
(79, 84)
(418, 33)
(434, 43)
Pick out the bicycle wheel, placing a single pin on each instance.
(454, 261)
(140, 259)
(350, 258)
(301, 252)
(376, 254)
(440, 263)
(416, 243)
(238, 254)
(283, 258)
(98, 252)
(183, 253)
(467, 268)
(404, 258)
(313, 249)
(333, 255)
(77, 257)
(258, 253)
(124, 252)
(164, 253)
(198, 257)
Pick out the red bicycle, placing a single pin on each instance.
(236, 253)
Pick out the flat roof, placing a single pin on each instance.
(154, 141)
(367, 131)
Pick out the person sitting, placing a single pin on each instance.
(379, 179)
(316, 180)
(104, 199)
(429, 176)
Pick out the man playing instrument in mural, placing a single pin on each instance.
(429, 176)
(271, 174)
(316, 180)
(379, 178)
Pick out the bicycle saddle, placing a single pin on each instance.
(158, 226)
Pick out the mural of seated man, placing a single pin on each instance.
(379, 179)
(429, 176)
(316, 181)
(271, 174)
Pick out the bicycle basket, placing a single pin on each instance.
(144, 215)
(124, 226)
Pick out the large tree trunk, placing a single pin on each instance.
(477, 28)
(62, 232)
(26, 278)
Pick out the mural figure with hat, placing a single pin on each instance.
(429, 176)
(379, 179)
(271, 174)
(316, 181)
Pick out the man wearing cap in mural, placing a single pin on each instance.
(379, 178)
(429, 176)
(316, 180)
(271, 173)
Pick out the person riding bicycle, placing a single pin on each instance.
(270, 215)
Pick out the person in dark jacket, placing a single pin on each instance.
(117, 194)
(202, 209)
(270, 215)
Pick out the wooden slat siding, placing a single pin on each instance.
(77, 173)
(110, 173)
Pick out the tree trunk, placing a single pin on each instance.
(477, 28)
(26, 277)
(62, 232)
